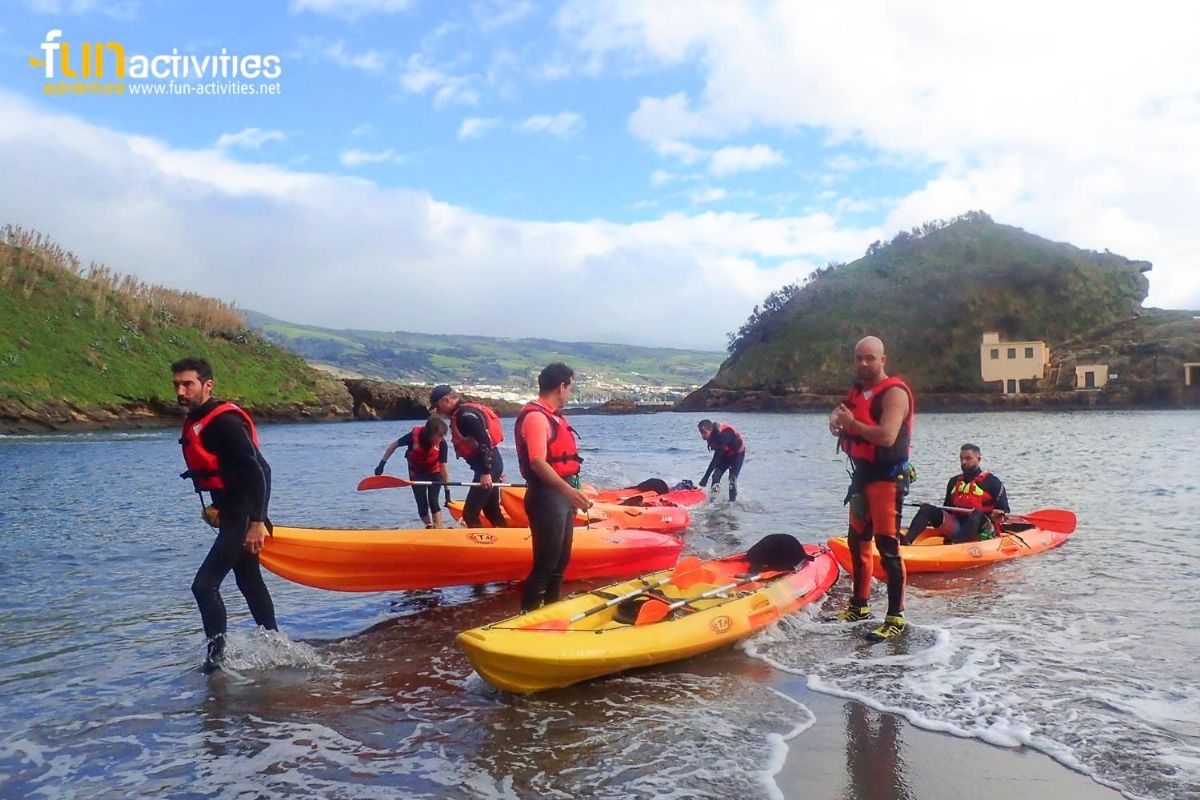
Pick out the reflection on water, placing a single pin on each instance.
(367, 696)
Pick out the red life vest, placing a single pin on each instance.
(421, 460)
(466, 446)
(202, 464)
(867, 407)
(971, 494)
(726, 450)
(562, 453)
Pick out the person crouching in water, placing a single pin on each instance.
(426, 456)
(549, 460)
(729, 453)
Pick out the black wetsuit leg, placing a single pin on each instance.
(925, 517)
(421, 494)
(485, 501)
(228, 553)
(969, 528)
(551, 519)
(735, 469)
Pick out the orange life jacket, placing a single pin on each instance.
(971, 494)
(201, 463)
(867, 407)
(562, 453)
(466, 446)
(422, 460)
(726, 450)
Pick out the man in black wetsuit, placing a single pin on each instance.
(729, 452)
(475, 431)
(981, 496)
(220, 448)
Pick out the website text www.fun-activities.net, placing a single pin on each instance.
(211, 88)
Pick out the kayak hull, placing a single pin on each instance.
(385, 560)
(666, 519)
(516, 659)
(924, 558)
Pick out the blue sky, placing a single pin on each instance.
(620, 171)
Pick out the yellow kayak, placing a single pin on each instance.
(698, 606)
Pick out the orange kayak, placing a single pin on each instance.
(667, 519)
(382, 560)
(631, 496)
(931, 555)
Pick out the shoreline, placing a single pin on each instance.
(854, 752)
(69, 417)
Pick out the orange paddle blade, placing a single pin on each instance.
(383, 482)
(1050, 519)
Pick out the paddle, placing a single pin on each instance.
(655, 609)
(690, 566)
(394, 482)
(1050, 519)
(771, 555)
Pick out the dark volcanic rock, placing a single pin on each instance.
(383, 400)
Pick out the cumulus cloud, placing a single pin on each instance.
(729, 160)
(421, 76)
(356, 158)
(346, 248)
(249, 138)
(476, 127)
(1078, 125)
(562, 125)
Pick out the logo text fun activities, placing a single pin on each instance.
(108, 59)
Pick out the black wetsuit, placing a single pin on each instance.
(969, 525)
(486, 461)
(727, 437)
(247, 493)
(427, 496)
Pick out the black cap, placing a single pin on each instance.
(438, 393)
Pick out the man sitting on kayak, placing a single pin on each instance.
(980, 494)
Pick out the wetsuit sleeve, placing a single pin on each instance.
(711, 466)
(246, 481)
(995, 487)
(470, 423)
(442, 451)
(535, 432)
(950, 490)
(405, 440)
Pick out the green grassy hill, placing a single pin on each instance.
(88, 336)
(930, 294)
(433, 358)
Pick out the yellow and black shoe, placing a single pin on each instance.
(892, 626)
(855, 612)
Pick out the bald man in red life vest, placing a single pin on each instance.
(874, 428)
(549, 461)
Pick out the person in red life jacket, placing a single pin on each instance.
(549, 461)
(220, 448)
(475, 431)
(729, 453)
(874, 427)
(426, 456)
(974, 489)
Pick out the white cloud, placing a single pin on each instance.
(684, 153)
(562, 125)
(729, 160)
(419, 77)
(476, 127)
(1075, 122)
(364, 131)
(250, 138)
(372, 61)
(350, 9)
(356, 158)
(498, 13)
(710, 194)
(212, 219)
